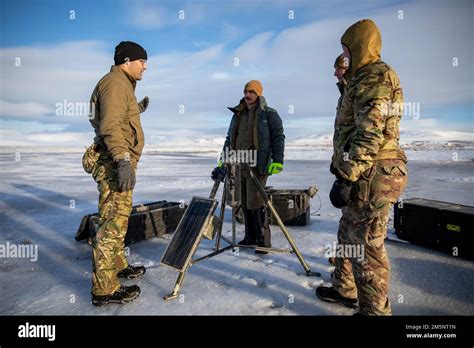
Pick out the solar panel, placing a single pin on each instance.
(188, 233)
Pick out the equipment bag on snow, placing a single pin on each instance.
(438, 225)
(146, 221)
(293, 205)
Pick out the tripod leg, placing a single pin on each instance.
(282, 226)
(177, 286)
(234, 242)
(292, 242)
(221, 218)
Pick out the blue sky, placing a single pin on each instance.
(28, 22)
(191, 62)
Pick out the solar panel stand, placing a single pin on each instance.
(189, 261)
(221, 219)
(232, 243)
(282, 226)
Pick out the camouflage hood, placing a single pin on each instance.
(364, 42)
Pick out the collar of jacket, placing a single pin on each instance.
(261, 104)
(118, 70)
(364, 69)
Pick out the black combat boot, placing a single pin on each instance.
(263, 230)
(132, 272)
(329, 294)
(123, 295)
(250, 228)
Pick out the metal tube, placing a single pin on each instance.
(221, 217)
(233, 226)
(276, 250)
(208, 256)
(177, 286)
(278, 220)
(214, 189)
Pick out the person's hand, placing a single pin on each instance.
(340, 193)
(219, 173)
(143, 104)
(126, 175)
(334, 171)
(275, 168)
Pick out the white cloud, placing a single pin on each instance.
(150, 17)
(19, 138)
(295, 66)
(220, 76)
(28, 109)
(201, 43)
(51, 74)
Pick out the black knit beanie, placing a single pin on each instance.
(128, 51)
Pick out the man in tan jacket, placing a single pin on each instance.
(119, 140)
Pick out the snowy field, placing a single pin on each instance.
(45, 194)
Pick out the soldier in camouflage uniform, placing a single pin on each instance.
(367, 155)
(116, 150)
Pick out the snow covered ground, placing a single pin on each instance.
(44, 195)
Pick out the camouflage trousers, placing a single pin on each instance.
(108, 247)
(363, 228)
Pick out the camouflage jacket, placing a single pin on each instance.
(367, 122)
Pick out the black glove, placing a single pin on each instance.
(126, 175)
(334, 171)
(143, 104)
(340, 193)
(219, 173)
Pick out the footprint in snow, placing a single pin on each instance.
(249, 280)
(319, 250)
(261, 304)
(276, 305)
(6, 267)
(309, 284)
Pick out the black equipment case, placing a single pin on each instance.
(146, 221)
(439, 225)
(293, 205)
